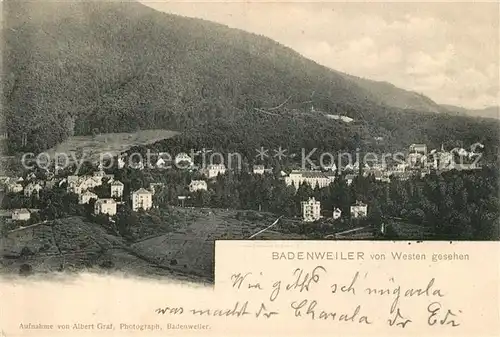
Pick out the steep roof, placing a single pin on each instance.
(142, 191)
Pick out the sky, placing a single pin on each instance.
(446, 51)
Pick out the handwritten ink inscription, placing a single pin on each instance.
(360, 286)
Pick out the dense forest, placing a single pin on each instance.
(95, 67)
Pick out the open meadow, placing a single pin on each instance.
(110, 143)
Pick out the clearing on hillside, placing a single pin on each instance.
(112, 143)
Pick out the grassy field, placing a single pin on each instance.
(112, 143)
(190, 248)
(184, 249)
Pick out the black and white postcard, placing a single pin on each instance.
(255, 168)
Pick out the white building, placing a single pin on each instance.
(82, 184)
(418, 148)
(311, 210)
(22, 214)
(121, 163)
(359, 210)
(32, 188)
(337, 213)
(116, 189)
(349, 178)
(105, 206)
(85, 197)
(137, 165)
(101, 174)
(258, 169)
(197, 185)
(213, 171)
(183, 160)
(313, 178)
(14, 187)
(161, 163)
(442, 160)
(142, 199)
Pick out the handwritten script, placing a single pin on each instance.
(300, 284)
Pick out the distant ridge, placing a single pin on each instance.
(489, 112)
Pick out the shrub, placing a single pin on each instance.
(25, 270)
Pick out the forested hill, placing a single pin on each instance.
(93, 67)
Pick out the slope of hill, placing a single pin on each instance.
(87, 67)
(388, 94)
(489, 112)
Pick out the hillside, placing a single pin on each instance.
(489, 112)
(94, 67)
(388, 94)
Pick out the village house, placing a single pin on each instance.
(337, 213)
(417, 159)
(417, 155)
(32, 188)
(311, 210)
(418, 148)
(85, 197)
(142, 199)
(349, 178)
(183, 160)
(161, 163)
(442, 160)
(197, 185)
(22, 214)
(105, 206)
(82, 184)
(212, 171)
(116, 189)
(137, 165)
(14, 187)
(258, 169)
(121, 163)
(313, 178)
(359, 210)
(101, 174)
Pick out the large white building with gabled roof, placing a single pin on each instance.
(116, 189)
(142, 199)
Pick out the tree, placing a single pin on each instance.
(25, 269)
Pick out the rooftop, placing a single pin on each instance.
(106, 201)
(21, 210)
(312, 174)
(142, 191)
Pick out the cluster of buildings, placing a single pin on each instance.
(313, 178)
(418, 162)
(162, 162)
(83, 187)
(22, 214)
(311, 210)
